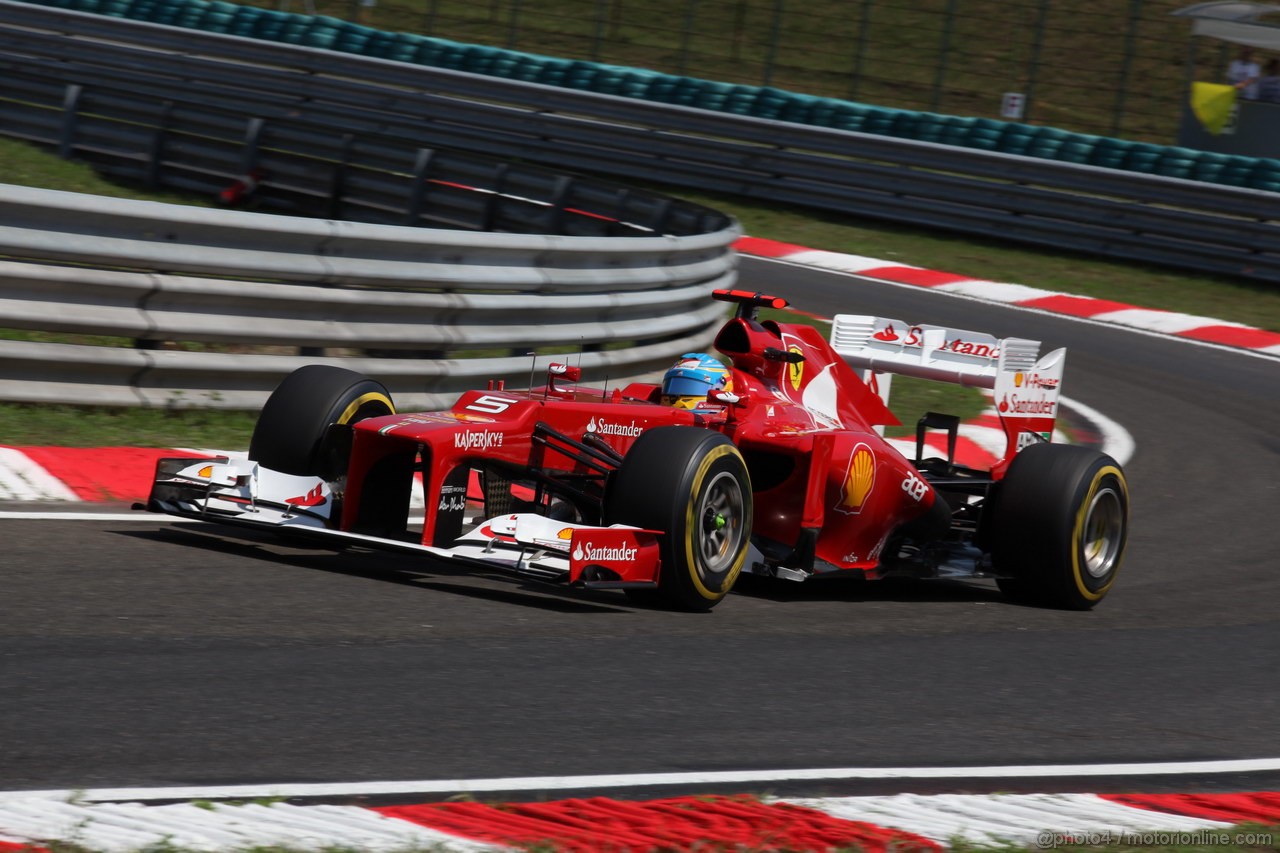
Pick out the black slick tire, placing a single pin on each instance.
(1060, 527)
(291, 429)
(691, 484)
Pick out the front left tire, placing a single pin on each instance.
(290, 433)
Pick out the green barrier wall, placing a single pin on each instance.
(760, 101)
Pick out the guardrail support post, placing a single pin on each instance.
(252, 139)
(559, 195)
(661, 216)
(495, 198)
(337, 187)
(418, 186)
(155, 154)
(70, 107)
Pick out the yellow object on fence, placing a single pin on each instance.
(1213, 104)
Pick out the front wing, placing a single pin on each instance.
(241, 492)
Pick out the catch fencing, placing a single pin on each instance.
(551, 257)
(326, 130)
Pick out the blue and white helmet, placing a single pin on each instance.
(685, 385)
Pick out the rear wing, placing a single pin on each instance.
(1025, 386)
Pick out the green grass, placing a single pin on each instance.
(96, 426)
(29, 166)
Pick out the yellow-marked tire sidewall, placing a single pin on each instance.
(1089, 588)
(1040, 524)
(661, 484)
(372, 398)
(697, 486)
(293, 422)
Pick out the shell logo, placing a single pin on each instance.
(1017, 379)
(795, 372)
(858, 481)
(565, 534)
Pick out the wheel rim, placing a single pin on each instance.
(720, 512)
(1103, 532)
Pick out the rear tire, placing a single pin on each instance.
(691, 484)
(290, 432)
(1060, 526)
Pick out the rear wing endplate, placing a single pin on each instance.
(1024, 386)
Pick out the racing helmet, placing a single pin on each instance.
(685, 385)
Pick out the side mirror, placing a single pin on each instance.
(783, 355)
(573, 374)
(728, 398)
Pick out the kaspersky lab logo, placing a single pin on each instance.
(600, 426)
(480, 440)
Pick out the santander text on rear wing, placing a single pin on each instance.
(1025, 386)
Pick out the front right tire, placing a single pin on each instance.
(691, 484)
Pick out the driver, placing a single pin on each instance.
(685, 385)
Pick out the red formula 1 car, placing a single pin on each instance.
(781, 472)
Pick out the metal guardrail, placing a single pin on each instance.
(443, 310)
(345, 120)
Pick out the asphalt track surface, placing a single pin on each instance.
(174, 654)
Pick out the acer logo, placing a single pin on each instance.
(915, 487)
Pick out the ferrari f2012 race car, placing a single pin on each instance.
(776, 467)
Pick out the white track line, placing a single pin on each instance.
(636, 780)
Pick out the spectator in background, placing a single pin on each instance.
(1269, 83)
(1243, 73)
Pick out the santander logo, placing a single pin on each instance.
(913, 336)
(600, 426)
(621, 554)
(1013, 404)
